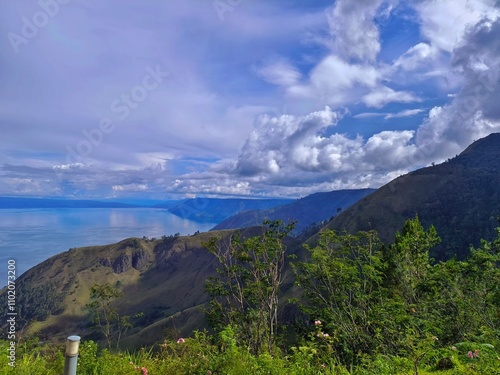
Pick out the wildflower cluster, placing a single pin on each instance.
(473, 354)
(320, 333)
(144, 370)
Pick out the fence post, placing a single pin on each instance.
(71, 355)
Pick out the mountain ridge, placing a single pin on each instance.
(215, 210)
(460, 197)
(307, 211)
(164, 278)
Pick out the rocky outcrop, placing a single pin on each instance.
(122, 264)
(140, 259)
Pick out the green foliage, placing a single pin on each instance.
(394, 301)
(203, 354)
(35, 302)
(408, 259)
(343, 284)
(105, 316)
(245, 294)
(373, 309)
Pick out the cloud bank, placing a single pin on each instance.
(166, 100)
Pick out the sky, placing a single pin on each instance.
(244, 98)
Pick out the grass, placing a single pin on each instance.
(199, 355)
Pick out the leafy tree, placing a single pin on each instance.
(245, 294)
(342, 283)
(373, 298)
(409, 260)
(105, 316)
(471, 289)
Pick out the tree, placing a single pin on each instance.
(245, 292)
(471, 290)
(342, 282)
(104, 316)
(409, 259)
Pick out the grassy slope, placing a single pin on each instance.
(164, 279)
(167, 280)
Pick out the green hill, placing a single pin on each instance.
(163, 279)
(460, 197)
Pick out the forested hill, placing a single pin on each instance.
(460, 197)
(312, 209)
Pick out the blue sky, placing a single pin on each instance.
(172, 99)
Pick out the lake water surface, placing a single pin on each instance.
(30, 236)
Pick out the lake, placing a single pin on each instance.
(30, 236)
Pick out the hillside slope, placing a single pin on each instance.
(163, 279)
(460, 197)
(312, 209)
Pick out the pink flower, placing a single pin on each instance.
(131, 363)
(470, 355)
(181, 341)
(317, 322)
(144, 371)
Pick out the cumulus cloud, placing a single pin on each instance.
(277, 141)
(287, 151)
(416, 57)
(337, 82)
(353, 29)
(444, 22)
(473, 113)
(202, 130)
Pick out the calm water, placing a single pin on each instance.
(29, 236)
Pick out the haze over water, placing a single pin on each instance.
(30, 236)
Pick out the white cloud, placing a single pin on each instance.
(131, 187)
(336, 82)
(205, 110)
(444, 22)
(369, 115)
(474, 111)
(389, 150)
(280, 73)
(353, 29)
(416, 57)
(405, 113)
(277, 141)
(284, 150)
(383, 95)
